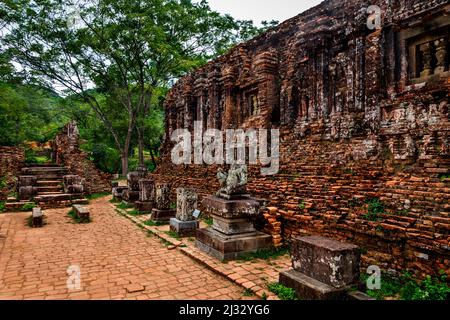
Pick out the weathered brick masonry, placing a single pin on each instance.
(11, 161)
(363, 114)
(67, 153)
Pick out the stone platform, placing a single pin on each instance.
(323, 269)
(232, 234)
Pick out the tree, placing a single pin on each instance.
(125, 49)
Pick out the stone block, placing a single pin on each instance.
(73, 184)
(186, 204)
(240, 208)
(27, 193)
(144, 206)
(233, 226)
(133, 179)
(118, 192)
(130, 196)
(82, 212)
(162, 196)
(332, 262)
(146, 190)
(308, 288)
(27, 181)
(184, 228)
(37, 218)
(231, 247)
(163, 215)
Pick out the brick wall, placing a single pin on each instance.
(357, 121)
(11, 161)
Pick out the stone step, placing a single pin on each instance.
(51, 188)
(43, 170)
(55, 197)
(41, 165)
(51, 176)
(16, 205)
(48, 183)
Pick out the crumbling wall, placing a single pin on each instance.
(66, 152)
(11, 161)
(364, 122)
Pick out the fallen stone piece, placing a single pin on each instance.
(81, 212)
(162, 215)
(37, 218)
(323, 269)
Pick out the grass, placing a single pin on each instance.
(97, 195)
(265, 254)
(284, 293)
(444, 176)
(301, 205)
(165, 242)
(114, 200)
(3, 182)
(2, 206)
(173, 205)
(248, 293)
(172, 234)
(28, 207)
(407, 288)
(123, 205)
(151, 223)
(208, 221)
(135, 212)
(75, 218)
(374, 210)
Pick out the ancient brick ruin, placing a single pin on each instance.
(11, 161)
(66, 151)
(363, 115)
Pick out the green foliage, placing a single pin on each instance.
(135, 212)
(282, 292)
(124, 205)
(265, 254)
(444, 176)
(172, 234)
(432, 288)
(97, 195)
(28, 207)
(374, 210)
(248, 293)
(408, 288)
(264, 296)
(152, 223)
(301, 205)
(173, 206)
(209, 221)
(3, 182)
(2, 206)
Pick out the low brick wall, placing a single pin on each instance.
(11, 161)
(67, 153)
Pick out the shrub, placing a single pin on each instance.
(28, 207)
(374, 210)
(123, 205)
(284, 293)
(432, 288)
(2, 206)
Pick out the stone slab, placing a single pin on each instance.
(81, 211)
(329, 261)
(233, 226)
(231, 247)
(231, 208)
(37, 218)
(308, 288)
(163, 215)
(144, 206)
(184, 228)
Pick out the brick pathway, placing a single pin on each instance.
(117, 261)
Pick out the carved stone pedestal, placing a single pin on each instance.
(37, 218)
(323, 269)
(163, 215)
(184, 228)
(232, 234)
(144, 207)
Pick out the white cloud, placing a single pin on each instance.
(259, 10)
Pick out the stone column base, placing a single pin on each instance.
(163, 215)
(308, 288)
(231, 247)
(146, 206)
(184, 228)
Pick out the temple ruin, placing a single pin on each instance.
(364, 119)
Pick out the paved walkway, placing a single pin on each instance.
(117, 260)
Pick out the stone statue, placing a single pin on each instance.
(234, 182)
(186, 204)
(162, 198)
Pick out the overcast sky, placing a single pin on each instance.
(259, 10)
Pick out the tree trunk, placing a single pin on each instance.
(124, 157)
(141, 146)
(153, 157)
